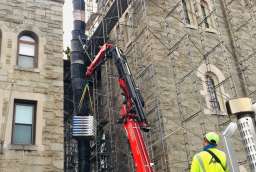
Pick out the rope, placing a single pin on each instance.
(86, 89)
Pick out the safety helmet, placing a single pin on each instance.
(212, 137)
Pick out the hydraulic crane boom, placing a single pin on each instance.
(132, 115)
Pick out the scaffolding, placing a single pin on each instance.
(217, 53)
(112, 138)
(175, 89)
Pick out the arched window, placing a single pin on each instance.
(27, 50)
(213, 98)
(189, 14)
(126, 28)
(185, 9)
(207, 14)
(213, 89)
(204, 8)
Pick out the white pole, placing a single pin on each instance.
(242, 108)
(227, 134)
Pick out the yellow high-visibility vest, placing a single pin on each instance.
(204, 162)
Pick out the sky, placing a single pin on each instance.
(67, 22)
(68, 18)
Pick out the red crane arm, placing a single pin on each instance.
(98, 59)
(138, 148)
(132, 115)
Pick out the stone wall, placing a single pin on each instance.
(43, 84)
(241, 20)
(170, 60)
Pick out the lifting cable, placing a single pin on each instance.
(86, 89)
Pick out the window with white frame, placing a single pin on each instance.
(213, 98)
(207, 14)
(24, 122)
(27, 50)
(213, 89)
(188, 12)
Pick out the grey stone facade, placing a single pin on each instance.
(42, 84)
(171, 59)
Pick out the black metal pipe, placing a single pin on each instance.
(77, 78)
(84, 161)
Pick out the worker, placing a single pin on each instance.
(210, 159)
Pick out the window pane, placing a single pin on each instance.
(27, 38)
(24, 114)
(27, 49)
(22, 134)
(25, 61)
(205, 17)
(212, 93)
(185, 8)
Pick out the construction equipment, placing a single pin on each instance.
(243, 109)
(132, 115)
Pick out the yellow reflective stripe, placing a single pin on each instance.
(201, 163)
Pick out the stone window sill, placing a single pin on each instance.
(23, 147)
(190, 26)
(210, 112)
(211, 30)
(35, 70)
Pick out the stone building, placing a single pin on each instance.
(31, 86)
(188, 57)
